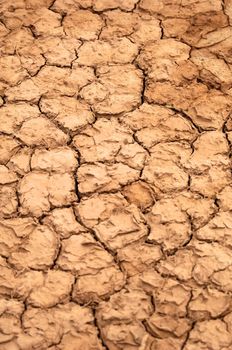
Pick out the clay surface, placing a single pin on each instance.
(115, 175)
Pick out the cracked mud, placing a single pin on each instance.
(115, 175)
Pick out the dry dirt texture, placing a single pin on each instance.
(115, 175)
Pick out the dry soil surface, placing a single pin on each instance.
(115, 175)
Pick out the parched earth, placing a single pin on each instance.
(115, 175)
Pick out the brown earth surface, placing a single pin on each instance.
(115, 175)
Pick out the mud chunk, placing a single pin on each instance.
(140, 28)
(164, 168)
(53, 81)
(101, 178)
(178, 8)
(82, 255)
(214, 37)
(177, 151)
(3, 30)
(148, 281)
(16, 35)
(7, 176)
(219, 229)
(206, 166)
(164, 326)
(47, 327)
(20, 162)
(11, 70)
(179, 265)
(126, 223)
(136, 258)
(224, 198)
(118, 89)
(200, 263)
(228, 124)
(28, 52)
(21, 227)
(166, 61)
(98, 275)
(108, 140)
(26, 91)
(9, 200)
(98, 208)
(96, 5)
(42, 21)
(38, 252)
(210, 110)
(19, 285)
(83, 25)
(119, 318)
(58, 51)
(68, 112)
(170, 296)
(11, 234)
(34, 4)
(47, 23)
(178, 97)
(174, 128)
(154, 124)
(215, 155)
(140, 194)
(212, 257)
(212, 182)
(102, 141)
(175, 27)
(198, 209)
(228, 9)
(115, 222)
(61, 160)
(228, 320)
(11, 311)
(208, 303)
(63, 222)
(222, 47)
(172, 299)
(39, 191)
(118, 335)
(8, 147)
(41, 132)
(94, 288)
(209, 334)
(99, 52)
(61, 188)
(13, 115)
(169, 225)
(146, 116)
(133, 154)
(52, 291)
(213, 70)
(163, 53)
(191, 31)
(223, 279)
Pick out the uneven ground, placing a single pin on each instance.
(115, 174)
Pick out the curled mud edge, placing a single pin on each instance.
(115, 175)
